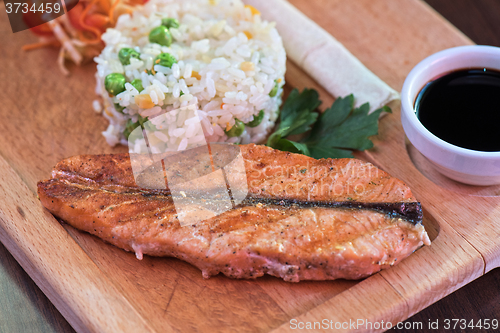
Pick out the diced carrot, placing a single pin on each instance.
(196, 75)
(144, 101)
(247, 66)
(253, 10)
(248, 34)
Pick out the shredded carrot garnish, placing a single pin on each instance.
(228, 127)
(111, 11)
(157, 61)
(79, 33)
(104, 5)
(86, 40)
(92, 29)
(253, 10)
(279, 80)
(38, 45)
(221, 105)
(196, 75)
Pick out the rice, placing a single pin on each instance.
(228, 63)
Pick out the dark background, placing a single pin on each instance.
(480, 21)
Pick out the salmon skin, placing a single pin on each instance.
(302, 219)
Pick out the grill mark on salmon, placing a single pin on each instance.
(409, 211)
(302, 235)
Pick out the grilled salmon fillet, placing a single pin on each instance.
(303, 219)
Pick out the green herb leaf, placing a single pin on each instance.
(343, 127)
(335, 133)
(298, 111)
(329, 152)
(292, 146)
(276, 137)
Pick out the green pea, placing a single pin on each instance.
(274, 91)
(119, 108)
(170, 22)
(236, 130)
(165, 60)
(130, 126)
(114, 83)
(126, 53)
(137, 84)
(160, 35)
(256, 119)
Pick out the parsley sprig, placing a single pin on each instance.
(333, 134)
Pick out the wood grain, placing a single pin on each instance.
(47, 117)
(58, 265)
(477, 301)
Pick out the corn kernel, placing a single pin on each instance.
(196, 75)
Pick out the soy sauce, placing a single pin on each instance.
(463, 108)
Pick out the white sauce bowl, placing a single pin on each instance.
(460, 164)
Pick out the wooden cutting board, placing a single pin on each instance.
(100, 288)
